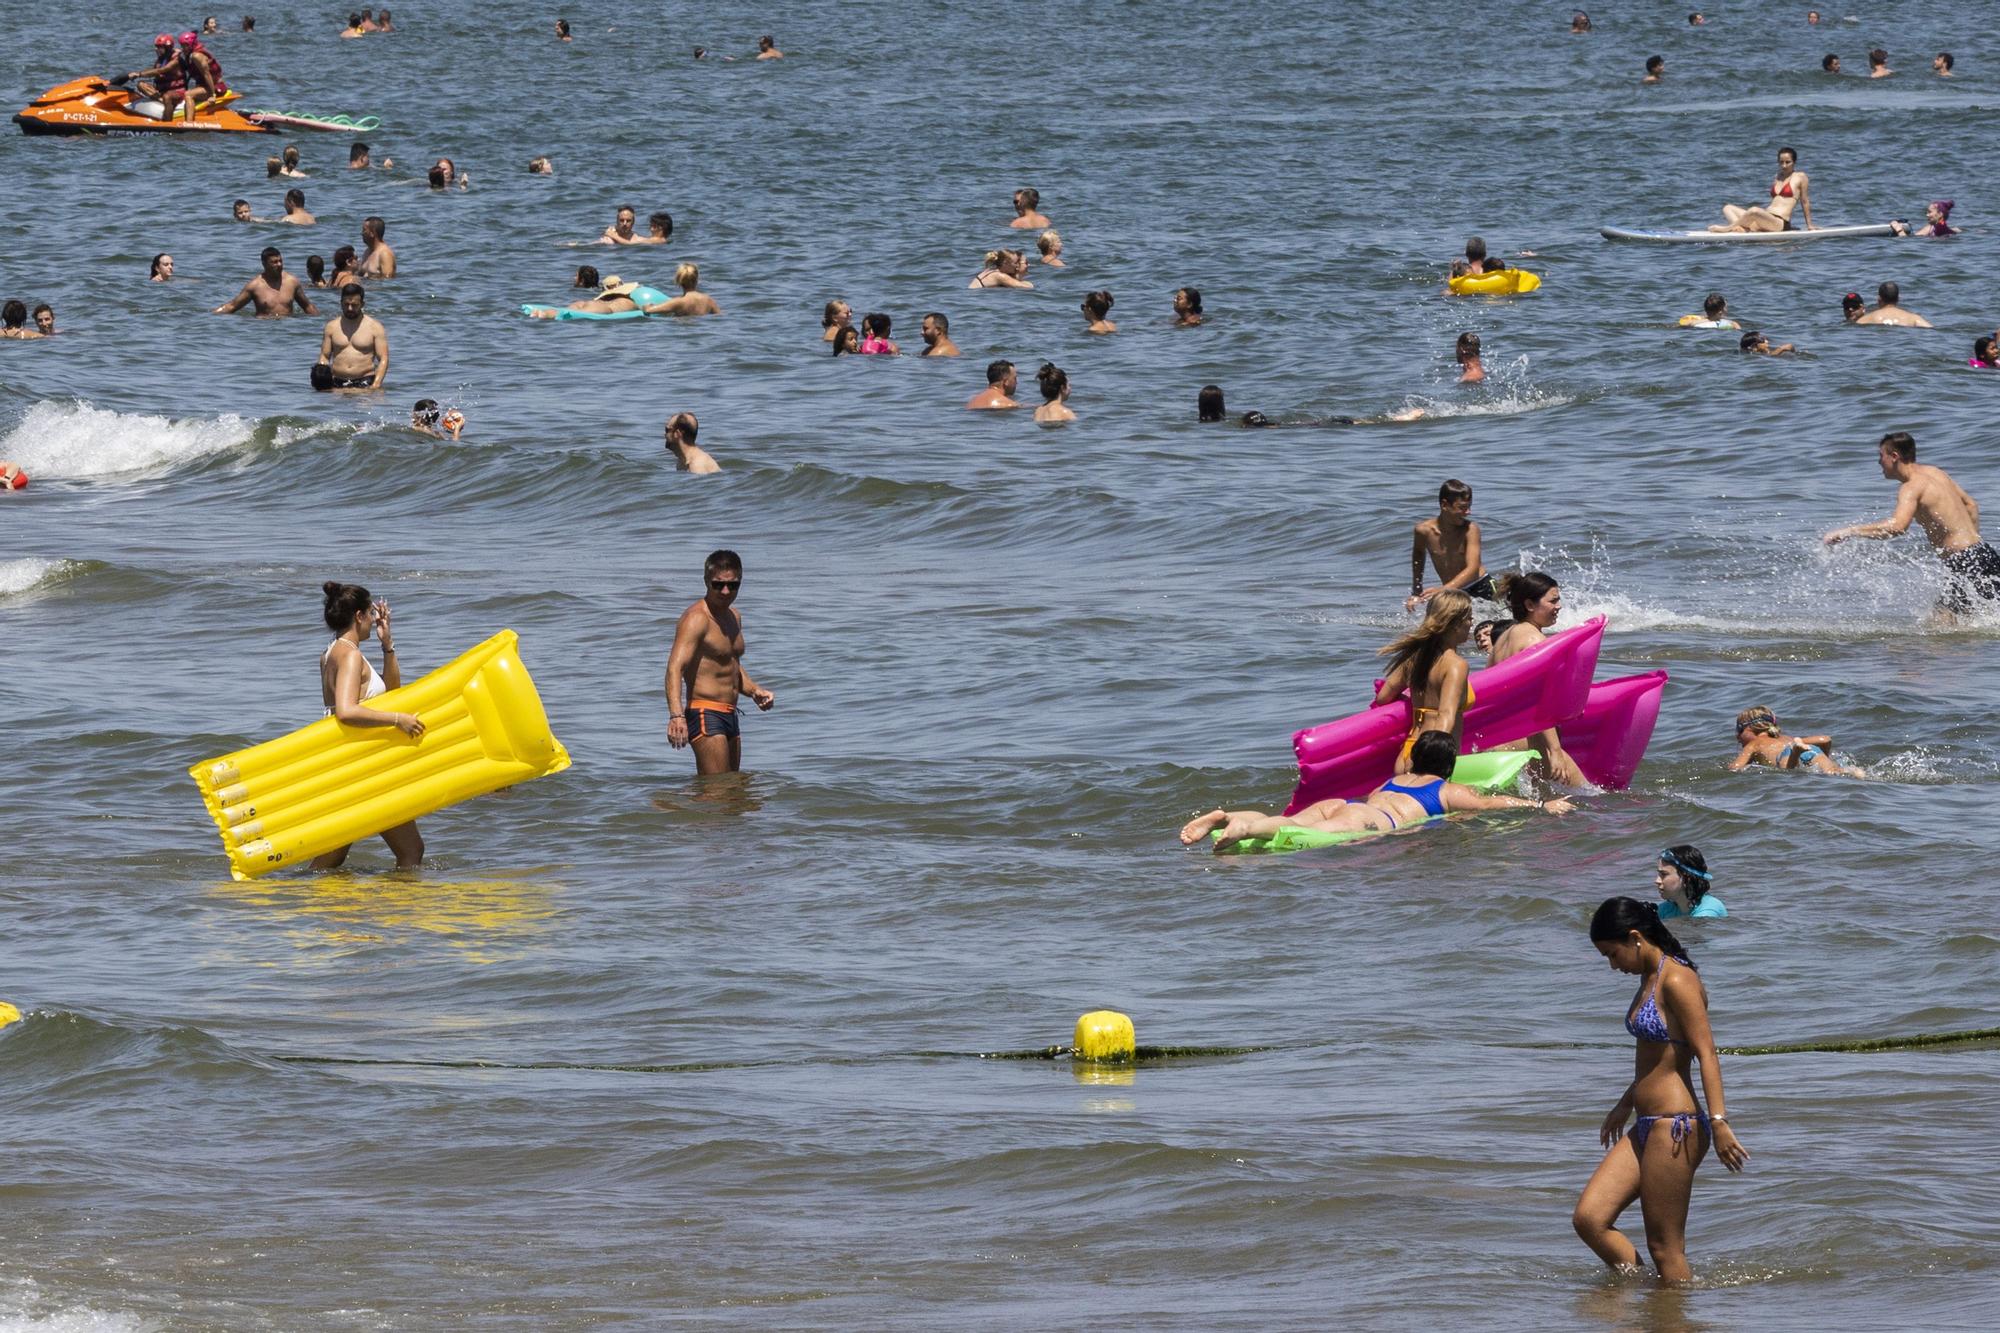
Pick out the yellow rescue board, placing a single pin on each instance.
(329, 784)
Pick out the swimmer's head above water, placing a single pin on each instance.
(1208, 403)
(1054, 383)
(1534, 598)
(1682, 877)
(1435, 754)
(1852, 307)
(1757, 721)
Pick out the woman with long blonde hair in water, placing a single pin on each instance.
(1427, 665)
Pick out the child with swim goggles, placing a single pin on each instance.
(1684, 885)
(1764, 742)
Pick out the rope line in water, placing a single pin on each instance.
(1141, 1055)
(1915, 1041)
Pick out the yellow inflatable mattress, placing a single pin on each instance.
(328, 784)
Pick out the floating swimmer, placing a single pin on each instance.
(1755, 341)
(1055, 395)
(1714, 314)
(441, 424)
(1890, 311)
(693, 301)
(1426, 793)
(12, 478)
(614, 297)
(1026, 217)
(1685, 886)
(1765, 742)
(1471, 369)
(1096, 307)
(937, 336)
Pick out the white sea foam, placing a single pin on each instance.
(24, 1309)
(75, 439)
(22, 574)
(1790, 586)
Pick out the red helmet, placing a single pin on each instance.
(190, 41)
(162, 40)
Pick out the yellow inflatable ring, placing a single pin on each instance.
(1507, 282)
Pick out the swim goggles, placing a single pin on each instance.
(1683, 866)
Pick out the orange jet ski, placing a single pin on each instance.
(93, 106)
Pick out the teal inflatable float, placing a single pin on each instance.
(643, 296)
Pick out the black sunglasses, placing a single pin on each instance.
(731, 584)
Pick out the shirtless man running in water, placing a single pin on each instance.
(1949, 517)
(705, 672)
(274, 291)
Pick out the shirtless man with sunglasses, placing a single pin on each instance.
(705, 672)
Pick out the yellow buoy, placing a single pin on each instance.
(1104, 1035)
(8, 1014)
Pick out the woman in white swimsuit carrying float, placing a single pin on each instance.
(1788, 192)
(348, 680)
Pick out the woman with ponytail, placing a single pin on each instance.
(1426, 664)
(347, 680)
(1669, 1020)
(1535, 601)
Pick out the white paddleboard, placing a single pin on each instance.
(1731, 237)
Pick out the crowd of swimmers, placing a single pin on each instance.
(1670, 1129)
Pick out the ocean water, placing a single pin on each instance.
(635, 1049)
